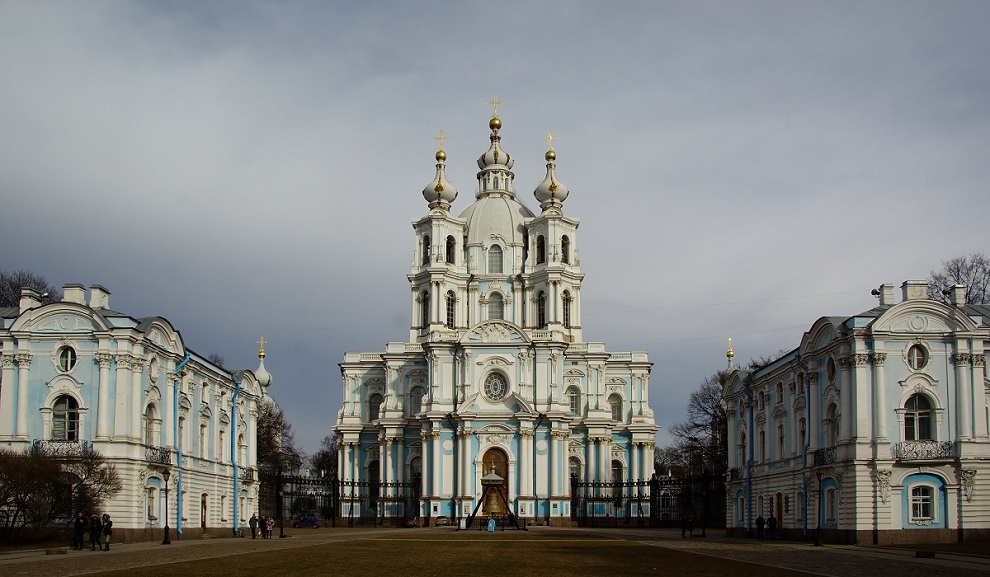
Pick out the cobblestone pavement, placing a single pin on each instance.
(830, 560)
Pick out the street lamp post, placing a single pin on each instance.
(818, 514)
(165, 475)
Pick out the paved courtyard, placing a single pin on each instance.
(830, 560)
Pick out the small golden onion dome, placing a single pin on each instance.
(550, 155)
(495, 123)
(441, 155)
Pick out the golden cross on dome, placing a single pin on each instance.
(440, 139)
(262, 342)
(494, 102)
(550, 138)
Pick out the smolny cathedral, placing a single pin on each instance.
(495, 379)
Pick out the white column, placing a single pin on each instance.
(23, 362)
(168, 407)
(103, 406)
(846, 402)
(879, 397)
(7, 420)
(400, 460)
(551, 464)
(964, 428)
(980, 426)
(121, 424)
(525, 463)
(137, 402)
(435, 446)
(634, 470)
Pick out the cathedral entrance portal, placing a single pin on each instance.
(497, 498)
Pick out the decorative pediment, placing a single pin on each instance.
(495, 332)
(224, 418)
(923, 316)
(184, 404)
(205, 411)
(65, 322)
(616, 381)
(572, 372)
(779, 412)
(495, 434)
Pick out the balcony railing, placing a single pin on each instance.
(247, 474)
(920, 450)
(62, 448)
(159, 455)
(824, 456)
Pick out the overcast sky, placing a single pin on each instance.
(251, 169)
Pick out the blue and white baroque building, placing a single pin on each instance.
(495, 377)
(872, 431)
(76, 375)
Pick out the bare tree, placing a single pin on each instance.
(217, 360)
(971, 271)
(325, 458)
(703, 434)
(39, 492)
(276, 443)
(11, 284)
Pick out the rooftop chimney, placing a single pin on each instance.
(958, 297)
(886, 294)
(914, 290)
(30, 299)
(99, 297)
(74, 293)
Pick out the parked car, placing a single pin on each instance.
(306, 522)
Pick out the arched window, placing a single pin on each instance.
(541, 310)
(802, 433)
(574, 467)
(416, 401)
(426, 249)
(566, 301)
(922, 504)
(574, 400)
(780, 441)
(451, 248)
(222, 446)
(150, 436)
(65, 419)
(496, 308)
(779, 397)
(242, 451)
(495, 259)
(541, 250)
(615, 402)
(425, 309)
(742, 449)
(450, 309)
(616, 471)
(203, 428)
(918, 419)
(831, 425)
(565, 250)
(181, 434)
(416, 468)
(374, 406)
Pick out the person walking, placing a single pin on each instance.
(95, 531)
(263, 525)
(772, 527)
(107, 531)
(78, 531)
(271, 526)
(254, 525)
(760, 523)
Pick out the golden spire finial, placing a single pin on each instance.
(261, 343)
(494, 102)
(729, 354)
(440, 138)
(550, 138)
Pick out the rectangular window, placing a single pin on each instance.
(830, 505)
(922, 504)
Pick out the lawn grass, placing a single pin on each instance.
(465, 553)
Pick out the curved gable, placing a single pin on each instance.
(160, 332)
(60, 317)
(821, 334)
(923, 316)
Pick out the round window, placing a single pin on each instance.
(496, 386)
(66, 359)
(917, 357)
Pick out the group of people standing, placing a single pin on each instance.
(266, 524)
(100, 531)
(770, 524)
